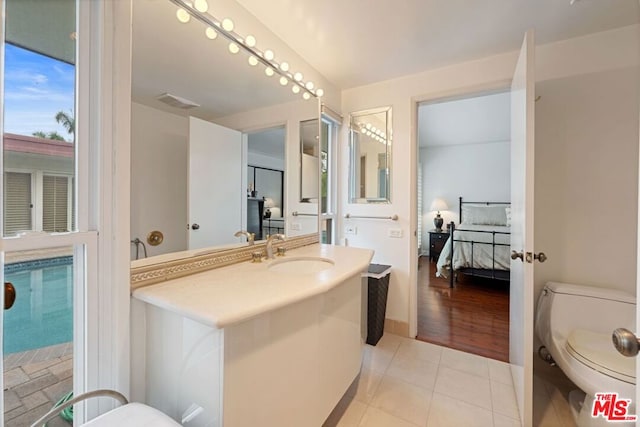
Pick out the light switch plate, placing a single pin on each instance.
(350, 229)
(295, 226)
(395, 232)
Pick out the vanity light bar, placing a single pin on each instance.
(234, 38)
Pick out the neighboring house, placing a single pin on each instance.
(38, 194)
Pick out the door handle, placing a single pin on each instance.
(9, 295)
(515, 255)
(195, 227)
(540, 256)
(625, 342)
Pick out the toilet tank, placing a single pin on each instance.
(563, 307)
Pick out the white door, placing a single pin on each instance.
(215, 193)
(521, 288)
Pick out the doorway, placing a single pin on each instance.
(463, 172)
(266, 182)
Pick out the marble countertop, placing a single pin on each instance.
(228, 295)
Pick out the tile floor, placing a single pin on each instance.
(408, 383)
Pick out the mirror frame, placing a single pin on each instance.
(353, 162)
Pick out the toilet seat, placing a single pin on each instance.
(596, 351)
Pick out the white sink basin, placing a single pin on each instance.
(301, 265)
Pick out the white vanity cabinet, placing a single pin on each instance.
(281, 366)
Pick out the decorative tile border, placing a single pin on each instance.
(156, 273)
(37, 264)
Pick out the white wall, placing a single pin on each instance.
(477, 172)
(264, 161)
(600, 52)
(159, 147)
(587, 179)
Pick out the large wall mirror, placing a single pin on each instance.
(370, 138)
(247, 124)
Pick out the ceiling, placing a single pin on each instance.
(341, 42)
(357, 42)
(268, 142)
(481, 119)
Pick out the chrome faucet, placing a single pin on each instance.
(270, 240)
(250, 236)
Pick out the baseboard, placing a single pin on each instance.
(396, 327)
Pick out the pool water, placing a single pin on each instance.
(43, 312)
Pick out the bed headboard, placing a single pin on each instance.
(478, 203)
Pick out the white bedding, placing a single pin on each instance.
(482, 253)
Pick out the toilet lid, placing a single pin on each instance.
(596, 350)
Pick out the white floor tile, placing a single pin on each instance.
(403, 400)
(446, 411)
(374, 417)
(464, 387)
(377, 358)
(365, 385)
(420, 350)
(415, 371)
(470, 363)
(503, 398)
(544, 414)
(500, 372)
(502, 421)
(348, 413)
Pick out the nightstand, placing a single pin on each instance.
(437, 239)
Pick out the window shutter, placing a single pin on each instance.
(17, 202)
(55, 204)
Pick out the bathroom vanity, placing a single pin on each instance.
(275, 343)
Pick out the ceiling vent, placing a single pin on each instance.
(176, 101)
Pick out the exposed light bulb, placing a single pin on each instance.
(250, 41)
(284, 81)
(201, 5)
(309, 85)
(297, 77)
(234, 48)
(306, 95)
(269, 55)
(284, 66)
(253, 61)
(210, 33)
(183, 16)
(269, 71)
(295, 89)
(227, 24)
(320, 92)
(368, 126)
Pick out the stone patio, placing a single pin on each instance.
(34, 381)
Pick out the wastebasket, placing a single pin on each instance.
(378, 288)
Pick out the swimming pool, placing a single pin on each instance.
(43, 312)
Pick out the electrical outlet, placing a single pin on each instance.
(295, 226)
(350, 229)
(395, 232)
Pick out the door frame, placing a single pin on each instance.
(457, 93)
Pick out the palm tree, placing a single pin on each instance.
(67, 121)
(51, 135)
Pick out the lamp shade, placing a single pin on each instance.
(268, 202)
(439, 205)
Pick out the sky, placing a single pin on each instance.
(36, 87)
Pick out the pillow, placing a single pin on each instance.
(484, 215)
(508, 212)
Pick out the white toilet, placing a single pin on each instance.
(575, 323)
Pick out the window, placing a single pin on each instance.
(328, 187)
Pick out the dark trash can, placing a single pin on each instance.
(378, 288)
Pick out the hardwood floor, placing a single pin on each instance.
(472, 317)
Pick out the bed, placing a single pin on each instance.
(481, 243)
